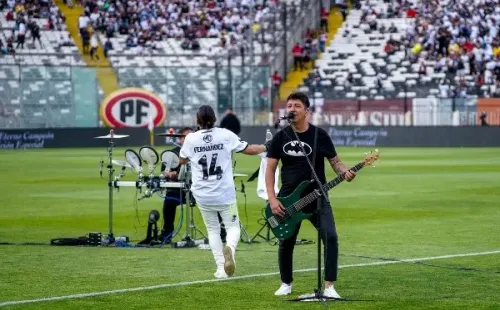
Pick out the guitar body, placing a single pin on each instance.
(286, 228)
(303, 196)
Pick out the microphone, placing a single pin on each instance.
(286, 117)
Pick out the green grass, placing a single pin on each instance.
(417, 202)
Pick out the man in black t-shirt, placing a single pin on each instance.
(295, 169)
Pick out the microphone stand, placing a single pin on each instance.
(318, 292)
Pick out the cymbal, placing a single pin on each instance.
(108, 136)
(174, 135)
(240, 175)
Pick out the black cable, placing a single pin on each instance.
(243, 190)
(136, 206)
(24, 243)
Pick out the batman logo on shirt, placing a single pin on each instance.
(292, 148)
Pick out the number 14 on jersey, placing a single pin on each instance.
(213, 170)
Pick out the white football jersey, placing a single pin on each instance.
(209, 151)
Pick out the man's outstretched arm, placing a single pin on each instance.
(340, 168)
(254, 149)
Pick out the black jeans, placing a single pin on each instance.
(169, 209)
(330, 241)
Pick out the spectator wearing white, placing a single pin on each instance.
(21, 34)
(94, 45)
(213, 32)
(83, 22)
(65, 41)
(444, 88)
(94, 16)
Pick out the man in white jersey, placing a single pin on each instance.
(209, 150)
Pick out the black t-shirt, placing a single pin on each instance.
(295, 168)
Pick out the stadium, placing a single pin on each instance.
(99, 97)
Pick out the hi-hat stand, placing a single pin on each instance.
(111, 137)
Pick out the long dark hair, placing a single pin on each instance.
(206, 117)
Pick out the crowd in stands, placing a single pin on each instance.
(144, 24)
(314, 42)
(27, 16)
(305, 55)
(459, 38)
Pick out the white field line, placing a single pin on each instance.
(257, 275)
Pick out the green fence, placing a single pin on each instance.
(48, 97)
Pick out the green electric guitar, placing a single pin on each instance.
(284, 227)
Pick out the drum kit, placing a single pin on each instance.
(144, 163)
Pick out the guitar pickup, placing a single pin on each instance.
(273, 222)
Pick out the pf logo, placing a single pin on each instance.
(132, 107)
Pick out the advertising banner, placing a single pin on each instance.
(68, 137)
(491, 108)
(133, 107)
(390, 112)
(352, 136)
(426, 136)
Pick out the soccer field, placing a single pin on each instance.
(420, 230)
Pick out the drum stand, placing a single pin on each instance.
(191, 228)
(111, 171)
(111, 137)
(267, 237)
(189, 240)
(245, 236)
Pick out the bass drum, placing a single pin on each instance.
(170, 159)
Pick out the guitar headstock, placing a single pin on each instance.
(371, 158)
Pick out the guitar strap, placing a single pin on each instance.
(315, 151)
(315, 145)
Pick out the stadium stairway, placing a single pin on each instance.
(105, 74)
(295, 78)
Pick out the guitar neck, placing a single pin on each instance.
(326, 187)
